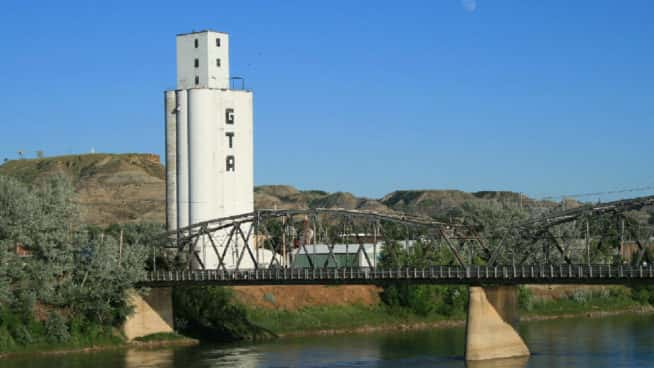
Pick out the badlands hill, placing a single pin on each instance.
(122, 188)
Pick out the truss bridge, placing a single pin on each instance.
(594, 243)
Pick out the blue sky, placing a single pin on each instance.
(543, 97)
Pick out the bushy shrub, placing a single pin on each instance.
(579, 296)
(69, 268)
(7, 341)
(210, 312)
(56, 329)
(620, 293)
(426, 299)
(525, 298)
(643, 294)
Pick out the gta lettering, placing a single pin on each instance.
(230, 160)
(229, 116)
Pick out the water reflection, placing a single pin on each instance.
(149, 358)
(621, 341)
(236, 357)
(520, 362)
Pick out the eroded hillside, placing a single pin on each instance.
(110, 188)
(122, 188)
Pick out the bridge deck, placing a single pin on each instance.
(473, 275)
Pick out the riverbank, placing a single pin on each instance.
(412, 323)
(242, 322)
(117, 343)
(460, 322)
(329, 320)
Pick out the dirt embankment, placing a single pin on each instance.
(554, 292)
(298, 297)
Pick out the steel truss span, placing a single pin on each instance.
(473, 275)
(327, 239)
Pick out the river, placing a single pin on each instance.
(617, 341)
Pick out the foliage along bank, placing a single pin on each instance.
(62, 284)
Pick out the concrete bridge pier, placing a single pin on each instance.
(153, 313)
(490, 327)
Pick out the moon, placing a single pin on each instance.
(469, 5)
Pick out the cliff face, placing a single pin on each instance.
(121, 188)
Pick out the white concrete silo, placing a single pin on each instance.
(214, 141)
(182, 159)
(170, 103)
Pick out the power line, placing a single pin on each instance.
(610, 192)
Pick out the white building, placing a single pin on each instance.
(342, 255)
(209, 146)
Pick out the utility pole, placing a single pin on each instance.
(284, 242)
(588, 241)
(374, 244)
(622, 238)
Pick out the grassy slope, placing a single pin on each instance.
(357, 317)
(77, 166)
(565, 307)
(77, 342)
(89, 343)
(344, 318)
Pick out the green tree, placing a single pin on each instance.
(68, 272)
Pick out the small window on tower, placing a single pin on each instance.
(218, 62)
(196, 43)
(217, 42)
(197, 80)
(197, 63)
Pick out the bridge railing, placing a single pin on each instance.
(437, 274)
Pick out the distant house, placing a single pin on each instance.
(343, 255)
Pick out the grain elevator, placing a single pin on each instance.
(209, 139)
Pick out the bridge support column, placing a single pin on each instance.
(490, 327)
(153, 313)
